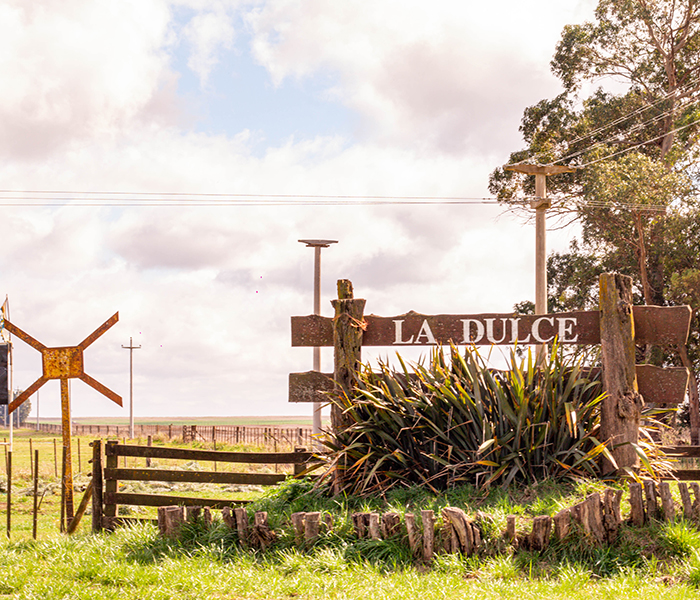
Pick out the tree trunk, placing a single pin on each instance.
(621, 407)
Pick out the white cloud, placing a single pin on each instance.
(206, 33)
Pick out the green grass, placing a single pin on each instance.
(134, 563)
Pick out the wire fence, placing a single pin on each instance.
(273, 438)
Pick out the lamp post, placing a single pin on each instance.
(317, 245)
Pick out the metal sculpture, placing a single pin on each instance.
(64, 363)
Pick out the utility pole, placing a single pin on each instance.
(131, 349)
(317, 245)
(541, 203)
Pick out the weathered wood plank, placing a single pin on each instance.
(163, 500)
(683, 475)
(662, 385)
(194, 476)
(661, 325)
(213, 455)
(682, 451)
(310, 386)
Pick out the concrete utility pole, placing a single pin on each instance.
(317, 245)
(131, 349)
(541, 203)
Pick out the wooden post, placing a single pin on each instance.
(149, 443)
(9, 492)
(414, 539)
(348, 327)
(685, 499)
(428, 518)
(35, 509)
(312, 526)
(622, 406)
(97, 498)
(636, 504)
(110, 487)
(667, 501)
(651, 498)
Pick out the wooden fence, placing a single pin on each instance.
(106, 476)
(275, 438)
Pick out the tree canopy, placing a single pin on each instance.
(635, 143)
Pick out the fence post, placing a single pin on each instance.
(348, 327)
(621, 408)
(97, 498)
(111, 458)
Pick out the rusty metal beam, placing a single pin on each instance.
(26, 394)
(25, 337)
(101, 330)
(104, 390)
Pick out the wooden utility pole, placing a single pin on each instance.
(541, 203)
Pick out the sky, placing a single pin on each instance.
(254, 97)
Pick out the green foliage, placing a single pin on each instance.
(451, 423)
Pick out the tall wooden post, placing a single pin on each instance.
(348, 327)
(622, 406)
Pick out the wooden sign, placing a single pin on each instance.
(661, 325)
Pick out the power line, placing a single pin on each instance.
(687, 87)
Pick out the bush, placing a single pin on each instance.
(458, 421)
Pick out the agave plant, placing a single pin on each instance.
(457, 421)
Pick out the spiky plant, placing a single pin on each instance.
(457, 421)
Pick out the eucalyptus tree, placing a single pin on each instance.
(635, 141)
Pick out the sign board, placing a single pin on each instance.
(662, 325)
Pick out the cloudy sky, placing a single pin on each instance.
(261, 97)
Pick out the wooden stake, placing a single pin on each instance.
(685, 499)
(97, 498)
(696, 500)
(75, 521)
(541, 529)
(414, 537)
(299, 527)
(511, 521)
(9, 492)
(621, 408)
(562, 523)
(55, 459)
(428, 518)
(242, 524)
(667, 501)
(653, 511)
(391, 523)
(312, 526)
(636, 501)
(611, 513)
(35, 511)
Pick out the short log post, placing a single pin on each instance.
(695, 486)
(511, 521)
(228, 517)
(414, 537)
(667, 501)
(579, 512)
(428, 518)
(651, 496)
(636, 501)
(242, 524)
(621, 408)
(391, 523)
(562, 524)
(612, 517)
(262, 535)
(460, 529)
(193, 514)
(538, 539)
(685, 500)
(595, 517)
(360, 523)
(312, 526)
(374, 526)
(170, 518)
(298, 526)
(348, 327)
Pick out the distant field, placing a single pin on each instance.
(278, 421)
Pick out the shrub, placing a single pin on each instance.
(458, 421)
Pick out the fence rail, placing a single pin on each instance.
(106, 496)
(276, 438)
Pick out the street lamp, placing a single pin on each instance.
(317, 245)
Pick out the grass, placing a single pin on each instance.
(660, 560)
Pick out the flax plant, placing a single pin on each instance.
(457, 421)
